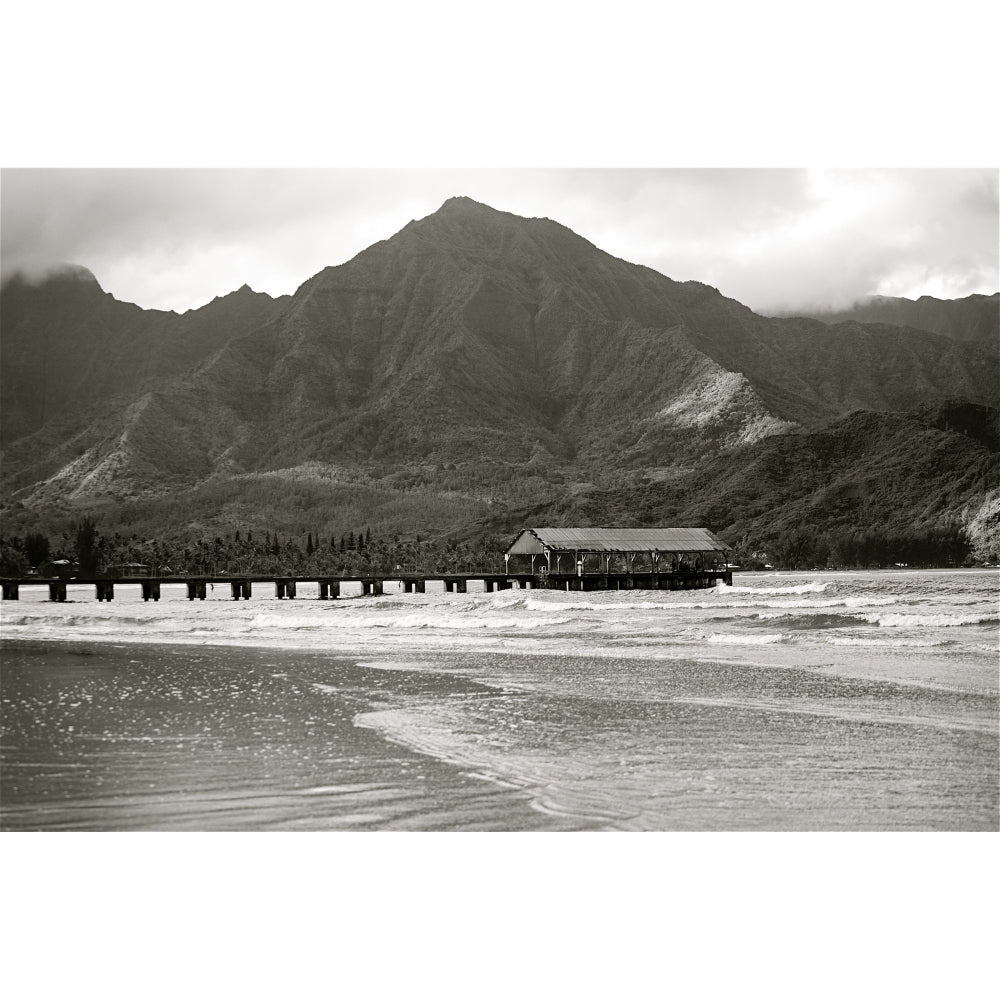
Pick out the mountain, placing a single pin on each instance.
(890, 471)
(68, 345)
(474, 353)
(974, 318)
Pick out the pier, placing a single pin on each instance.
(666, 558)
(330, 587)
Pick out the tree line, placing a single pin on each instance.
(870, 548)
(92, 553)
(361, 552)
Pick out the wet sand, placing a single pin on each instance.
(128, 737)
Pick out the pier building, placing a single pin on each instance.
(602, 558)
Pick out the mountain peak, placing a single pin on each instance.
(464, 208)
(55, 274)
(74, 272)
(463, 203)
(462, 222)
(243, 294)
(462, 211)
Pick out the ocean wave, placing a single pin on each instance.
(931, 620)
(803, 588)
(767, 639)
(833, 602)
(46, 621)
(428, 619)
(76, 622)
(725, 601)
(539, 605)
(809, 623)
(505, 603)
(740, 602)
(284, 622)
(423, 621)
(894, 643)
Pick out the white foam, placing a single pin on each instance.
(822, 605)
(894, 643)
(929, 620)
(533, 604)
(731, 598)
(802, 588)
(748, 640)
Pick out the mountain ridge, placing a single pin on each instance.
(974, 317)
(469, 333)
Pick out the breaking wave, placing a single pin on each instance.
(807, 623)
(731, 598)
(803, 588)
(834, 602)
(429, 619)
(894, 643)
(930, 620)
(748, 640)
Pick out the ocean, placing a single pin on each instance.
(786, 702)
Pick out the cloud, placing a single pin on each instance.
(786, 240)
(777, 240)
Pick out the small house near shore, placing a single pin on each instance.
(591, 551)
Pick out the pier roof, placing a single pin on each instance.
(617, 540)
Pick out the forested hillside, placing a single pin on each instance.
(475, 372)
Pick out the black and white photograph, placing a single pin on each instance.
(373, 501)
(487, 527)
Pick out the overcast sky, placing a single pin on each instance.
(774, 239)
